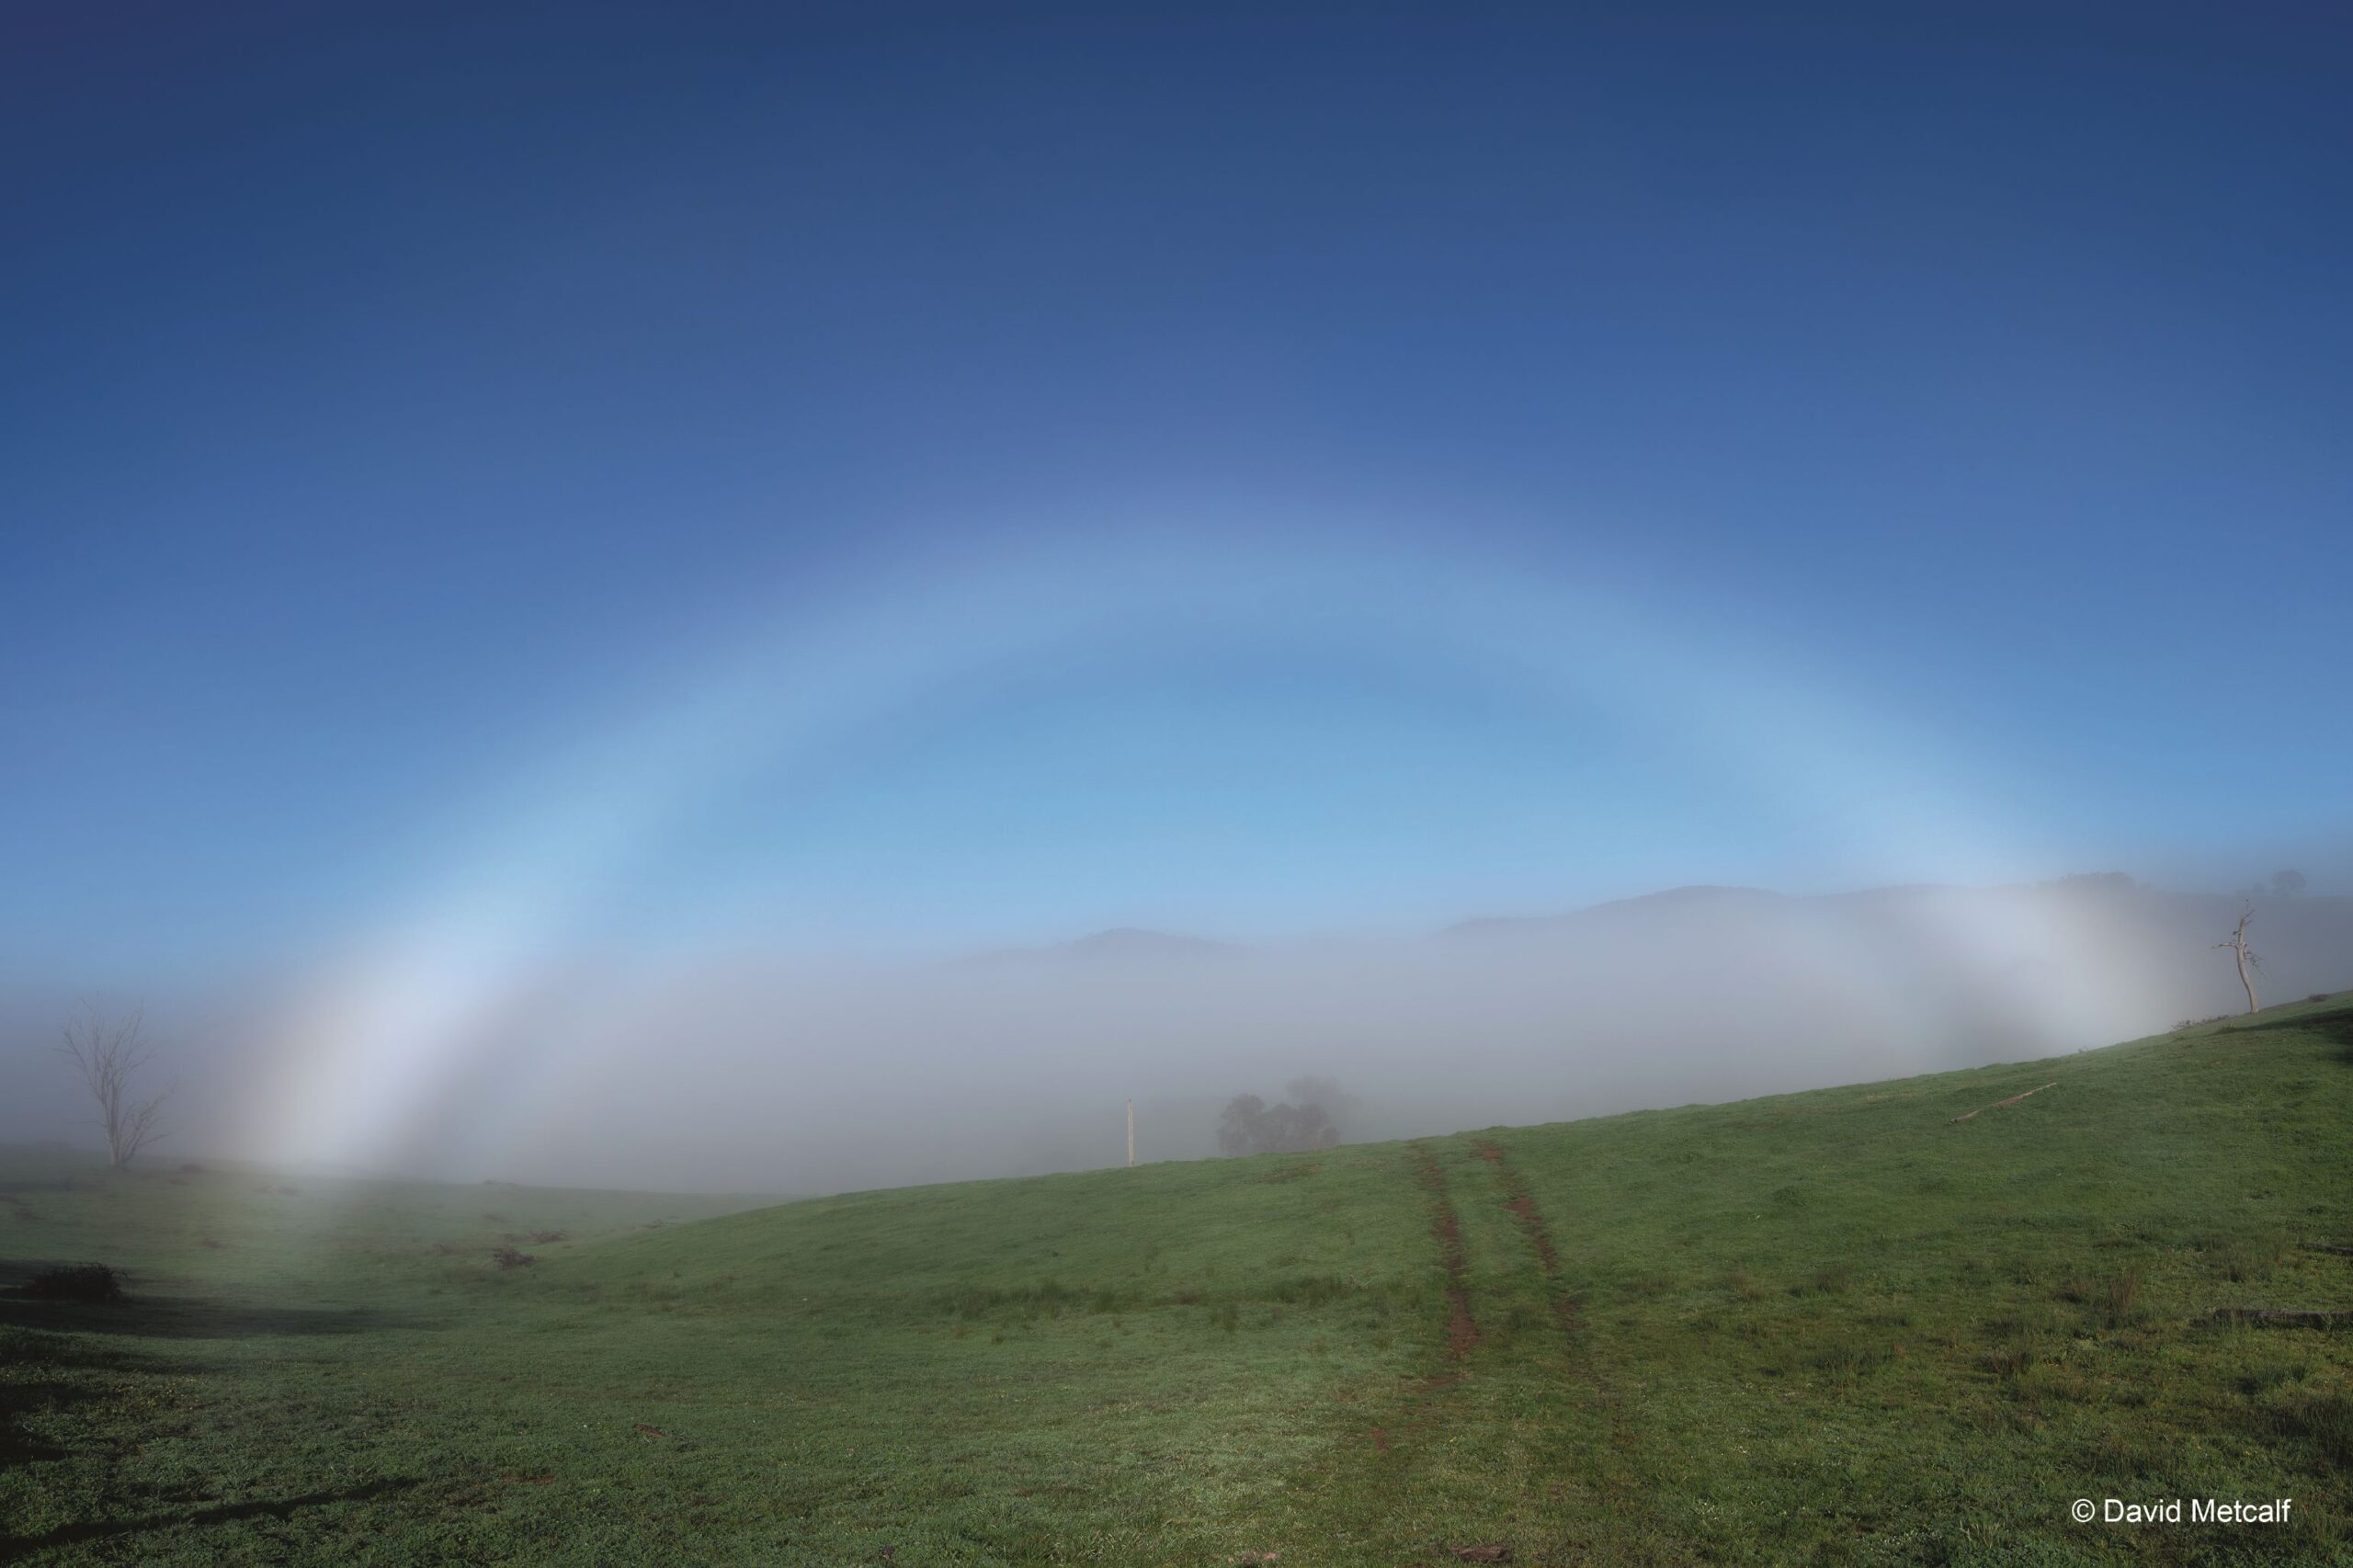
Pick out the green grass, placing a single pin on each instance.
(1824, 1327)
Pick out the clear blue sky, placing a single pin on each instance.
(409, 405)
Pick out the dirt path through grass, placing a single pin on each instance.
(1462, 1330)
(1576, 1339)
(1514, 1443)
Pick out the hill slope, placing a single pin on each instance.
(1835, 1326)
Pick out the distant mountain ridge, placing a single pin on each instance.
(1997, 956)
(1676, 900)
(1133, 943)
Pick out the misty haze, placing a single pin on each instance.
(769, 1074)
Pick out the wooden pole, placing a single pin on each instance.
(1131, 1132)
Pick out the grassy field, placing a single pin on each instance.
(1833, 1327)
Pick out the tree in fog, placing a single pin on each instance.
(1249, 1125)
(1325, 1094)
(1237, 1124)
(108, 1055)
(2248, 962)
(2287, 884)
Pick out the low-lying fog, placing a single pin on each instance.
(764, 1074)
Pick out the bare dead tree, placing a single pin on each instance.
(107, 1054)
(2248, 962)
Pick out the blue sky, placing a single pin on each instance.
(405, 400)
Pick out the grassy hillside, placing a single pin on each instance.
(1835, 1326)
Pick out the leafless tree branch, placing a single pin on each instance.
(108, 1054)
(2248, 962)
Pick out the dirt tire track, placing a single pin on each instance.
(1566, 1312)
(1462, 1331)
(1419, 1412)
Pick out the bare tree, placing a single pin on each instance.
(2245, 954)
(108, 1055)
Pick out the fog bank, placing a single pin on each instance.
(760, 1072)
